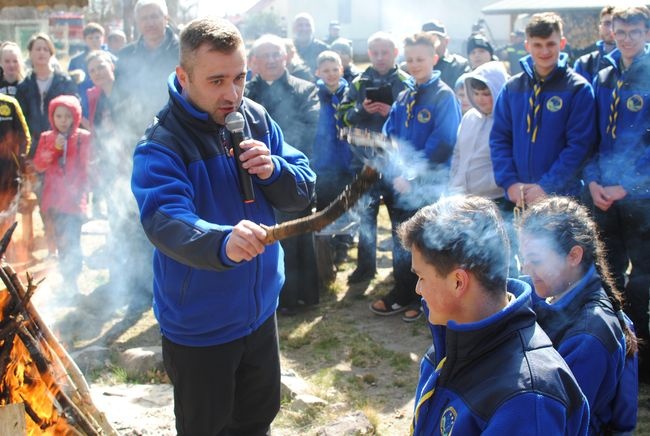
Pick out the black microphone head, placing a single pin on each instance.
(235, 122)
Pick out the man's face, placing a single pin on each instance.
(303, 30)
(382, 55)
(545, 51)
(630, 38)
(482, 98)
(436, 289)
(215, 82)
(151, 22)
(420, 60)
(94, 41)
(605, 29)
(478, 57)
(270, 61)
(330, 72)
(101, 72)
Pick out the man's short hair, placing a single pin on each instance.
(542, 25)
(161, 4)
(423, 38)
(476, 84)
(101, 55)
(632, 15)
(92, 28)
(328, 56)
(305, 16)
(461, 232)
(271, 39)
(220, 35)
(342, 46)
(607, 10)
(381, 36)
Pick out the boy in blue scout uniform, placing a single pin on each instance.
(491, 369)
(543, 120)
(424, 120)
(617, 175)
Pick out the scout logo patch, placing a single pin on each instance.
(447, 421)
(5, 110)
(635, 103)
(554, 104)
(424, 116)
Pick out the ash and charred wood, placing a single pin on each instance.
(78, 384)
(32, 345)
(319, 220)
(15, 305)
(5, 355)
(85, 421)
(41, 423)
(6, 238)
(9, 328)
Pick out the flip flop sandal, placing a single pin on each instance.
(412, 314)
(388, 309)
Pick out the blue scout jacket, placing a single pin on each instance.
(623, 153)
(330, 154)
(543, 138)
(426, 117)
(186, 185)
(583, 327)
(498, 376)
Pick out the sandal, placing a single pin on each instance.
(383, 307)
(412, 314)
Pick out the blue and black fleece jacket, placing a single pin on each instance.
(585, 330)
(498, 376)
(565, 129)
(186, 186)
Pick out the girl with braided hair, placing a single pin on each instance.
(580, 308)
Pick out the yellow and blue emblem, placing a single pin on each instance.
(554, 104)
(424, 116)
(634, 103)
(447, 421)
(5, 110)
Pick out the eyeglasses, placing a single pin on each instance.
(272, 56)
(634, 34)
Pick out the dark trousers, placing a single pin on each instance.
(67, 234)
(625, 229)
(404, 290)
(227, 389)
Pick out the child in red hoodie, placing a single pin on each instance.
(63, 154)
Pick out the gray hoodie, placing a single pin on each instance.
(471, 166)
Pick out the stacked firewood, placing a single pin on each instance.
(35, 370)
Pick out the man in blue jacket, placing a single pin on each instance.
(216, 284)
(617, 175)
(544, 125)
(491, 369)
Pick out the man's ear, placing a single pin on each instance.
(461, 277)
(182, 75)
(436, 58)
(562, 43)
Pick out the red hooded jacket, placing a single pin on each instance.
(66, 175)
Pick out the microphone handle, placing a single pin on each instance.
(245, 180)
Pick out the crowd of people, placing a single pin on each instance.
(504, 163)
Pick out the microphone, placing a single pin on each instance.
(235, 125)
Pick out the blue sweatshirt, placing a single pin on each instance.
(547, 146)
(426, 117)
(186, 186)
(626, 144)
(498, 376)
(583, 327)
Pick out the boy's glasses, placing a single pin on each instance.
(634, 34)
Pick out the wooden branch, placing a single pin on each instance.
(319, 220)
(77, 380)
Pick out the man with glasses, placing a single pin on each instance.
(617, 175)
(589, 64)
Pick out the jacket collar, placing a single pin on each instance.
(527, 65)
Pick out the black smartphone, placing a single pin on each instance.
(383, 94)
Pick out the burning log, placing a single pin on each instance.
(36, 371)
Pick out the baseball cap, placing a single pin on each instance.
(435, 26)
